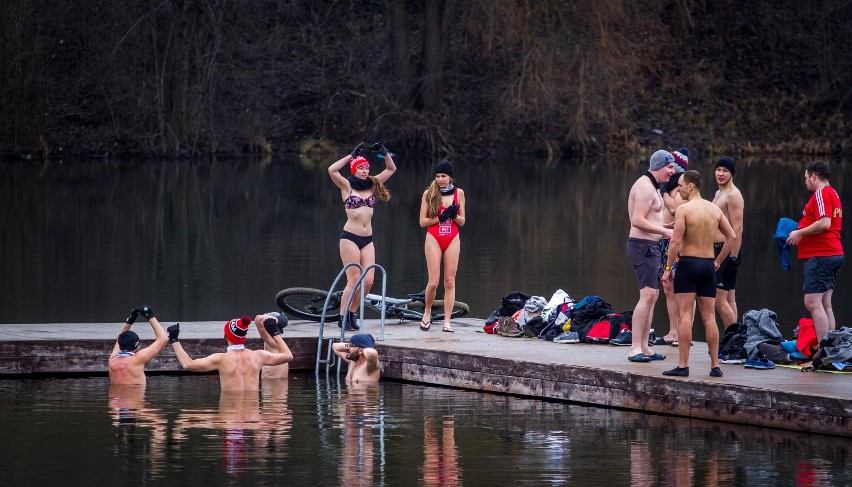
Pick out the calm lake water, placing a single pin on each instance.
(183, 431)
(86, 241)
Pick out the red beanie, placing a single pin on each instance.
(237, 329)
(357, 162)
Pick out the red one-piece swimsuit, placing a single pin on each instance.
(445, 232)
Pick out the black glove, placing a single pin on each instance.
(357, 150)
(271, 326)
(380, 148)
(450, 213)
(147, 312)
(282, 319)
(132, 318)
(174, 331)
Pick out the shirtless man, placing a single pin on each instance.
(239, 368)
(645, 209)
(127, 361)
(672, 199)
(361, 356)
(279, 320)
(730, 200)
(696, 224)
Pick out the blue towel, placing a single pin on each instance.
(782, 233)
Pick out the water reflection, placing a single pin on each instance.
(250, 425)
(186, 431)
(358, 417)
(129, 411)
(440, 456)
(203, 240)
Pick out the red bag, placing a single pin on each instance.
(806, 341)
(599, 332)
(492, 328)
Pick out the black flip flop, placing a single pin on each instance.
(425, 326)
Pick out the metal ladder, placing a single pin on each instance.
(330, 358)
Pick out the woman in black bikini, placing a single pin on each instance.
(359, 193)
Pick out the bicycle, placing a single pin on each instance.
(306, 303)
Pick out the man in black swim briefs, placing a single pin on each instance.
(696, 225)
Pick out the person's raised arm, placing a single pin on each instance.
(372, 356)
(205, 364)
(334, 169)
(161, 340)
(341, 349)
(390, 165)
(269, 332)
(127, 325)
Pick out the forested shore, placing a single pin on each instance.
(472, 78)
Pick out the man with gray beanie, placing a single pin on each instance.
(645, 210)
(730, 200)
(361, 356)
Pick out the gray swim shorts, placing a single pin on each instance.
(645, 256)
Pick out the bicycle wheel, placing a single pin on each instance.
(307, 303)
(459, 309)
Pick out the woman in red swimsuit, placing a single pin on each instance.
(359, 193)
(442, 213)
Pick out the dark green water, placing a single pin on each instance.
(87, 241)
(183, 431)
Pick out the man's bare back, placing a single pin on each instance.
(239, 368)
(702, 223)
(127, 365)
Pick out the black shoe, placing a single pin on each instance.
(715, 372)
(624, 337)
(678, 372)
(349, 322)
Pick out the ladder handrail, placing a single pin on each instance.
(361, 315)
(322, 318)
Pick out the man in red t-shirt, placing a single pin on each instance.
(818, 238)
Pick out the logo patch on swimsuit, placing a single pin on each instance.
(445, 228)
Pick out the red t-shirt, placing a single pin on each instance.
(824, 202)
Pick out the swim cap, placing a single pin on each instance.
(681, 157)
(362, 340)
(237, 329)
(661, 159)
(128, 341)
(444, 167)
(728, 163)
(357, 162)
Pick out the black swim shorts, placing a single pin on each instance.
(696, 275)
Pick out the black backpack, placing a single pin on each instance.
(732, 344)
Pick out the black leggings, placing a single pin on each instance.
(360, 241)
